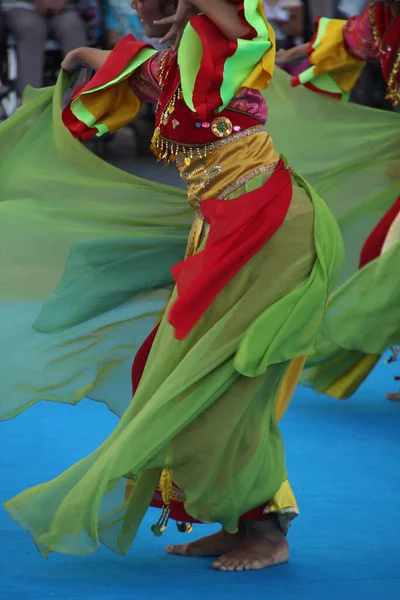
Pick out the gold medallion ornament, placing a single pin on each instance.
(221, 127)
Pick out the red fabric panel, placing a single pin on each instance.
(373, 245)
(141, 359)
(358, 38)
(389, 31)
(239, 228)
(77, 128)
(295, 81)
(178, 512)
(310, 49)
(252, 33)
(216, 49)
(126, 49)
(187, 132)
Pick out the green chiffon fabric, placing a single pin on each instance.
(194, 412)
(72, 226)
(85, 270)
(86, 252)
(349, 153)
(353, 160)
(363, 317)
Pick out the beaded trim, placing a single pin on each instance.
(393, 87)
(203, 151)
(175, 493)
(199, 179)
(393, 93)
(242, 180)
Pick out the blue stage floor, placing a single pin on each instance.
(344, 464)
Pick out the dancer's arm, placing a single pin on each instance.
(292, 55)
(143, 80)
(112, 98)
(85, 57)
(223, 13)
(336, 54)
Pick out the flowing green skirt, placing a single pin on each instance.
(85, 261)
(353, 160)
(361, 323)
(85, 258)
(73, 227)
(195, 412)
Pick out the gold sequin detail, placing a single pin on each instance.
(242, 180)
(187, 153)
(198, 180)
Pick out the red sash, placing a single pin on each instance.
(239, 228)
(373, 245)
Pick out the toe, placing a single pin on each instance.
(176, 550)
(252, 565)
(219, 565)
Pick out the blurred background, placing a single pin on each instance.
(36, 34)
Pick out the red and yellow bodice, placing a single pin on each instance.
(180, 130)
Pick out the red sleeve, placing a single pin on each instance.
(359, 37)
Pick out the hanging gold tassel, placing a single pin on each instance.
(165, 486)
(162, 522)
(184, 527)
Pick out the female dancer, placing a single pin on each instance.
(217, 373)
(339, 50)
(363, 317)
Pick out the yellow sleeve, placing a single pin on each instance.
(333, 71)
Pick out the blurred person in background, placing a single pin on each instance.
(370, 87)
(317, 8)
(121, 18)
(31, 23)
(359, 55)
(339, 56)
(348, 8)
(3, 88)
(322, 7)
(312, 10)
(287, 19)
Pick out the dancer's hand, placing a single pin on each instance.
(282, 57)
(178, 22)
(288, 56)
(72, 61)
(84, 57)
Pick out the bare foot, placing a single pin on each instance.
(213, 545)
(264, 546)
(394, 397)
